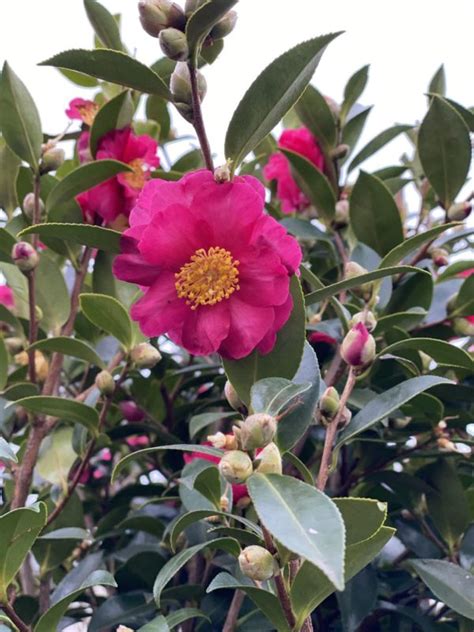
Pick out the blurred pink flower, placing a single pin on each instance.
(6, 297)
(82, 109)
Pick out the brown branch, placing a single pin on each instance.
(198, 121)
(233, 614)
(12, 615)
(280, 582)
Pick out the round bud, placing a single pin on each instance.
(224, 26)
(130, 411)
(463, 326)
(174, 44)
(145, 355)
(41, 364)
(217, 440)
(25, 256)
(366, 318)
(222, 173)
(235, 466)
(358, 347)
(180, 84)
(29, 205)
(52, 159)
(269, 460)
(440, 257)
(105, 383)
(156, 15)
(459, 211)
(341, 215)
(353, 270)
(231, 396)
(257, 431)
(257, 563)
(340, 151)
(329, 402)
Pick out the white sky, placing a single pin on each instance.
(404, 41)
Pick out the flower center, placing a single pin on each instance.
(208, 278)
(137, 177)
(88, 112)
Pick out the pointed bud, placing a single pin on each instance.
(459, 211)
(29, 206)
(156, 15)
(174, 44)
(329, 402)
(130, 411)
(257, 431)
(105, 383)
(269, 460)
(463, 326)
(225, 26)
(340, 151)
(180, 85)
(231, 396)
(222, 173)
(440, 257)
(358, 347)
(52, 159)
(25, 256)
(366, 318)
(235, 466)
(145, 356)
(341, 215)
(224, 503)
(445, 445)
(223, 441)
(257, 563)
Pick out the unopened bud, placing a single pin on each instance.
(341, 215)
(459, 211)
(190, 6)
(223, 441)
(180, 85)
(52, 159)
(224, 503)
(123, 628)
(231, 396)
(156, 15)
(131, 411)
(446, 445)
(257, 563)
(358, 347)
(224, 26)
(145, 355)
(366, 318)
(440, 257)
(25, 256)
(235, 466)
(345, 418)
(257, 431)
(174, 44)
(329, 402)
(41, 364)
(222, 173)
(29, 206)
(39, 313)
(105, 383)
(269, 460)
(463, 326)
(352, 270)
(425, 360)
(340, 151)
(14, 345)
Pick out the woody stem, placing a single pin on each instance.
(198, 121)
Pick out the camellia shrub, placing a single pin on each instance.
(238, 396)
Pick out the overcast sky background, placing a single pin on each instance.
(404, 42)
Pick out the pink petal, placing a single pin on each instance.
(249, 324)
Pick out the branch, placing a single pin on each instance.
(12, 615)
(198, 121)
(33, 328)
(280, 583)
(233, 614)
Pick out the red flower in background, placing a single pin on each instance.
(6, 297)
(83, 110)
(278, 168)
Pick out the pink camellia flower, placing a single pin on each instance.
(358, 347)
(278, 168)
(319, 337)
(6, 297)
(139, 441)
(214, 268)
(113, 200)
(131, 411)
(466, 273)
(82, 109)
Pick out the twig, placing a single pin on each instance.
(33, 328)
(12, 615)
(280, 583)
(198, 121)
(233, 614)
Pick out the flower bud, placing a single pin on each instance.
(257, 431)
(52, 159)
(39, 313)
(459, 211)
(366, 318)
(156, 15)
(14, 345)
(440, 257)
(269, 460)
(105, 383)
(224, 26)
(29, 205)
(41, 364)
(257, 563)
(123, 628)
(445, 445)
(25, 256)
(222, 173)
(190, 6)
(235, 466)
(329, 402)
(358, 347)
(463, 326)
(180, 84)
(345, 418)
(145, 355)
(223, 441)
(174, 44)
(231, 396)
(130, 411)
(341, 215)
(353, 270)
(224, 503)
(340, 151)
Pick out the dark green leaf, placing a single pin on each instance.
(84, 234)
(104, 25)
(50, 283)
(464, 305)
(352, 130)
(441, 351)
(9, 165)
(198, 422)
(438, 82)
(71, 347)
(354, 88)
(6, 453)
(79, 79)
(315, 114)
(363, 517)
(115, 114)
(7, 241)
(377, 143)
(273, 394)
(108, 314)
(62, 408)
(201, 22)
(180, 616)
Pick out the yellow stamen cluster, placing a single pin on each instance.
(136, 178)
(88, 112)
(209, 277)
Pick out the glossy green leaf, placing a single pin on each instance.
(62, 408)
(198, 422)
(180, 616)
(375, 218)
(445, 150)
(50, 619)
(273, 394)
(66, 533)
(201, 22)
(108, 314)
(158, 624)
(352, 130)
(71, 347)
(363, 517)
(115, 114)
(315, 114)
(18, 390)
(449, 582)
(19, 529)
(104, 25)
(314, 184)
(437, 84)
(19, 119)
(9, 166)
(377, 143)
(303, 519)
(464, 305)
(84, 234)
(57, 457)
(358, 599)
(467, 115)
(271, 96)
(208, 483)
(282, 361)
(113, 66)
(172, 567)
(79, 79)
(6, 453)
(50, 282)
(353, 90)
(441, 351)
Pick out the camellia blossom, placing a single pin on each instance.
(215, 269)
(82, 109)
(6, 296)
(301, 141)
(113, 199)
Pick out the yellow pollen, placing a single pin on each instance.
(208, 278)
(136, 178)
(88, 112)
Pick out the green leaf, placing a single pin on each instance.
(115, 114)
(375, 218)
(273, 394)
(466, 115)
(70, 347)
(445, 150)
(302, 519)
(9, 166)
(201, 22)
(352, 130)
(84, 234)
(50, 283)
(177, 562)
(441, 351)
(266, 601)
(314, 185)
(386, 403)
(198, 422)
(354, 88)
(62, 408)
(104, 25)
(159, 624)
(464, 305)
(50, 619)
(19, 119)
(79, 79)
(377, 143)
(113, 66)
(19, 529)
(363, 517)
(271, 96)
(180, 616)
(282, 361)
(83, 178)
(108, 314)
(208, 483)
(66, 533)
(57, 457)
(6, 453)
(315, 114)
(449, 582)
(437, 84)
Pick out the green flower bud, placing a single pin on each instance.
(39, 313)
(25, 256)
(156, 15)
(329, 402)
(105, 383)
(366, 318)
(463, 327)
(269, 460)
(340, 151)
(257, 431)
(174, 44)
(29, 206)
(52, 159)
(145, 356)
(459, 211)
(231, 396)
(257, 563)
(352, 270)
(235, 466)
(224, 26)
(440, 257)
(180, 85)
